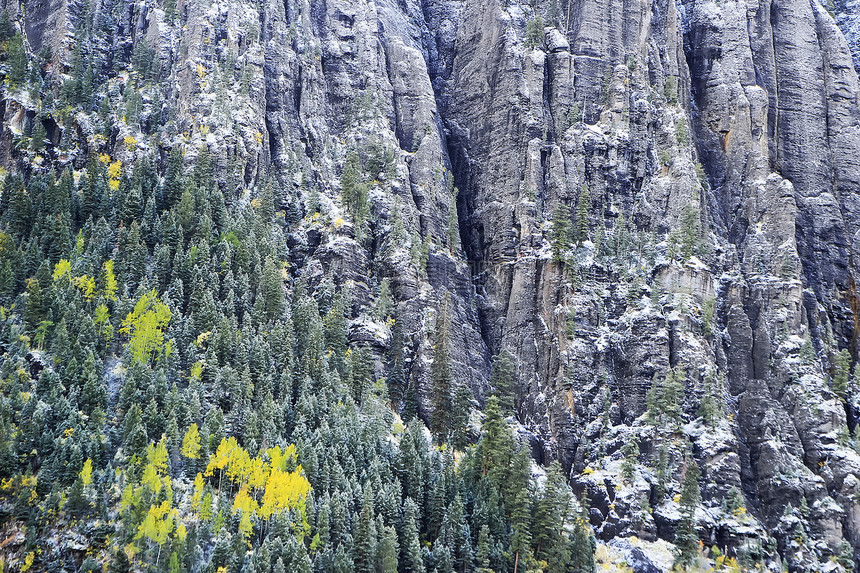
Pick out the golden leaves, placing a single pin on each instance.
(145, 324)
(280, 480)
(86, 474)
(191, 443)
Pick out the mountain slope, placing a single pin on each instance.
(648, 210)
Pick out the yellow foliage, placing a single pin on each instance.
(255, 202)
(202, 338)
(724, 563)
(284, 490)
(279, 459)
(156, 454)
(201, 71)
(222, 455)
(276, 475)
(145, 324)
(6, 242)
(191, 443)
(206, 507)
(151, 479)
(102, 321)
(114, 173)
(87, 286)
(155, 471)
(110, 284)
(130, 551)
(130, 142)
(104, 158)
(158, 523)
(28, 562)
(19, 484)
(86, 474)
(607, 560)
(196, 370)
(247, 507)
(128, 499)
(68, 432)
(61, 269)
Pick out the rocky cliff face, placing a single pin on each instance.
(707, 154)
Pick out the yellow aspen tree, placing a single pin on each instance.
(191, 443)
(86, 474)
(145, 326)
(110, 284)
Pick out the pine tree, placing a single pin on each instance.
(386, 558)
(16, 57)
(841, 374)
(173, 180)
(483, 551)
(441, 379)
(93, 394)
(630, 451)
(496, 444)
(354, 191)
(396, 377)
(37, 140)
(272, 291)
(411, 558)
(690, 230)
(669, 401)
(6, 29)
(34, 311)
(535, 31)
(686, 539)
(385, 304)
(583, 206)
(583, 542)
(460, 416)
(521, 525)
(561, 233)
(365, 537)
(360, 371)
(711, 407)
(502, 380)
(134, 434)
(662, 472)
(551, 512)
(664, 398)
(460, 543)
(335, 326)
